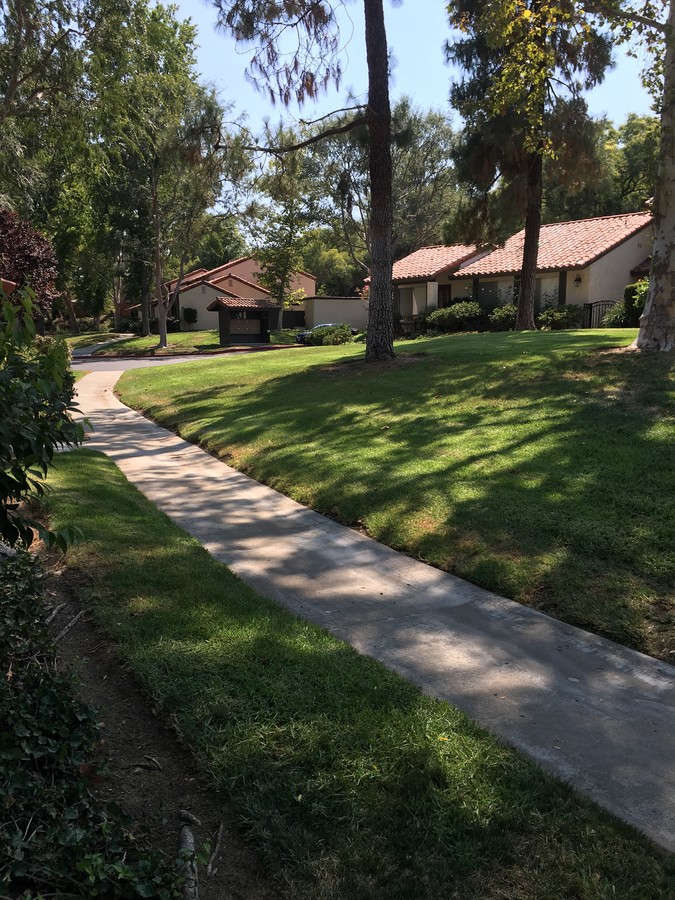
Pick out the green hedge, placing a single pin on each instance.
(324, 337)
(463, 316)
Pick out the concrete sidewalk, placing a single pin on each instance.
(596, 714)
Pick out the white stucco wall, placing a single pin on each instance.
(350, 310)
(405, 301)
(610, 274)
(461, 290)
(577, 294)
(199, 297)
(420, 297)
(505, 290)
(548, 289)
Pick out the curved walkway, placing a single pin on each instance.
(596, 714)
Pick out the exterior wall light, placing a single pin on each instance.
(577, 281)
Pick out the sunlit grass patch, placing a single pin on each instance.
(353, 783)
(541, 465)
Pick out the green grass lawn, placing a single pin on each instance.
(182, 342)
(77, 341)
(540, 466)
(354, 784)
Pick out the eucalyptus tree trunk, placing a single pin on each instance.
(657, 323)
(528, 274)
(380, 334)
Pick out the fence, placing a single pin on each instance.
(594, 312)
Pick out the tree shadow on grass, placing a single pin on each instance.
(545, 476)
(344, 773)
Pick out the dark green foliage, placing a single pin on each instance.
(131, 326)
(172, 325)
(56, 838)
(634, 298)
(626, 313)
(616, 317)
(503, 318)
(324, 337)
(555, 318)
(463, 316)
(423, 318)
(190, 315)
(36, 399)
(27, 258)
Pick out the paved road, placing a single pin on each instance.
(592, 712)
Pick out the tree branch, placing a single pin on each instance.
(329, 132)
(598, 8)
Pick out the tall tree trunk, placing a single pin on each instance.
(657, 323)
(528, 273)
(72, 318)
(380, 334)
(159, 286)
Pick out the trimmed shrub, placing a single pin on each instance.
(190, 315)
(422, 320)
(503, 318)
(556, 318)
(325, 337)
(463, 316)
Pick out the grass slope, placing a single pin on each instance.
(540, 466)
(352, 782)
(180, 342)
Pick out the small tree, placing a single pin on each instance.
(27, 258)
(278, 245)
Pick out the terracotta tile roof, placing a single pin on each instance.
(233, 302)
(188, 277)
(562, 245)
(213, 274)
(429, 262)
(221, 279)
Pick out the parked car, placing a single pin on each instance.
(301, 336)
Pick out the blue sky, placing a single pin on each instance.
(416, 32)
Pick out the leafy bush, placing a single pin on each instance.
(463, 316)
(616, 317)
(556, 318)
(89, 323)
(324, 337)
(503, 318)
(422, 320)
(132, 326)
(56, 838)
(190, 315)
(172, 325)
(634, 298)
(36, 399)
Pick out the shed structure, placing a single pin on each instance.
(244, 321)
